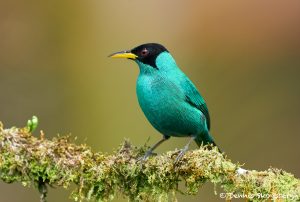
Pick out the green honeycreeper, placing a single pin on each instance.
(168, 98)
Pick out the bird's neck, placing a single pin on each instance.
(146, 69)
(165, 63)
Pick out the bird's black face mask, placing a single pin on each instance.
(146, 53)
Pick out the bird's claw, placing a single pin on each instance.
(180, 155)
(147, 154)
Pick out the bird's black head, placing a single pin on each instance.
(147, 53)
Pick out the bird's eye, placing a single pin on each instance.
(144, 52)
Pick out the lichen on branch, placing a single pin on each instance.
(39, 162)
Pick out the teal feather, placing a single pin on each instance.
(171, 102)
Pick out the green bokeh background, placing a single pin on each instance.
(244, 57)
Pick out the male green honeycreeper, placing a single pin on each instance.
(168, 98)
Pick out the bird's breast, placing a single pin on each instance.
(162, 102)
(157, 94)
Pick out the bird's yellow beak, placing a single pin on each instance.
(123, 54)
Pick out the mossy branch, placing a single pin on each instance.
(59, 162)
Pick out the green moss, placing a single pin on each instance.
(59, 162)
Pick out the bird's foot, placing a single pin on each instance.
(180, 155)
(147, 154)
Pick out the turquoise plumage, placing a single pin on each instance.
(168, 98)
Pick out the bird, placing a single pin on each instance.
(168, 98)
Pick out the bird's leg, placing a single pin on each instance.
(150, 151)
(184, 149)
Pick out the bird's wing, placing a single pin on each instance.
(193, 97)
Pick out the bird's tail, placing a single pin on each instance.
(207, 140)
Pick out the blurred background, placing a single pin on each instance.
(244, 57)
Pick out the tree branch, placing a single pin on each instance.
(59, 162)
